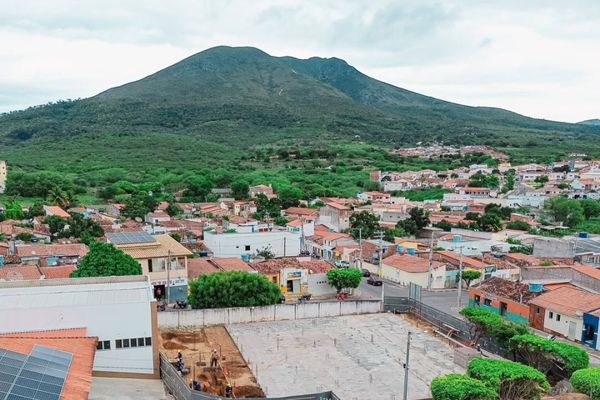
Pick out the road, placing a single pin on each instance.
(442, 300)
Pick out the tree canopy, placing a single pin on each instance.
(343, 278)
(104, 259)
(232, 289)
(363, 224)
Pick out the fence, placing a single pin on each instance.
(178, 388)
(277, 312)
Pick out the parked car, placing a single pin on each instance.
(341, 264)
(374, 280)
(281, 299)
(366, 272)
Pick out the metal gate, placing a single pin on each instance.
(414, 292)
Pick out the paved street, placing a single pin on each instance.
(442, 300)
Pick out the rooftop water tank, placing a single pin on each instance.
(411, 251)
(1, 261)
(456, 238)
(583, 235)
(535, 287)
(246, 257)
(52, 260)
(399, 249)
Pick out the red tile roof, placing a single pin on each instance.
(277, 264)
(587, 270)
(412, 264)
(45, 250)
(58, 272)
(568, 300)
(312, 212)
(56, 210)
(19, 273)
(199, 266)
(231, 264)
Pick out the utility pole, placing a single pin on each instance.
(360, 247)
(284, 244)
(379, 267)
(168, 274)
(460, 268)
(430, 276)
(405, 393)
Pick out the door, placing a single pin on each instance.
(503, 309)
(572, 330)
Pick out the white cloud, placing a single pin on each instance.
(538, 58)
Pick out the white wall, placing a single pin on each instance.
(419, 278)
(278, 312)
(234, 244)
(562, 326)
(109, 321)
(318, 285)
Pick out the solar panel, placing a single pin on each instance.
(129, 237)
(37, 376)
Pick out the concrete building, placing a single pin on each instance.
(162, 258)
(335, 216)
(281, 243)
(120, 311)
(560, 311)
(406, 269)
(591, 329)
(2, 176)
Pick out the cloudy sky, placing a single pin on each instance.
(538, 58)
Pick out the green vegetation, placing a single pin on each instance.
(546, 355)
(460, 387)
(76, 226)
(493, 326)
(484, 180)
(363, 224)
(508, 379)
(344, 278)
(518, 225)
(435, 193)
(104, 259)
(583, 215)
(232, 289)
(587, 381)
(469, 276)
(418, 219)
(237, 117)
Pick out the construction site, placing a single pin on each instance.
(358, 357)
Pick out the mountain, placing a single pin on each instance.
(215, 105)
(595, 121)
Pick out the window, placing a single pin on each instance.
(125, 343)
(487, 302)
(133, 342)
(477, 299)
(148, 341)
(551, 315)
(140, 342)
(103, 345)
(247, 247)
(537, 310)
(119, 344)
(150, 265)
(275, 279)
(558, 317)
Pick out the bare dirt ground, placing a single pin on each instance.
(196, 345)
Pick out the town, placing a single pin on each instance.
(157, 286)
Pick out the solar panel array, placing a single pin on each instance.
(37, 376)
(129, 237)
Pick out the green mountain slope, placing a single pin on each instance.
(594, 121)
(213, 106)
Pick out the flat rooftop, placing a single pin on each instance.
(358, 357)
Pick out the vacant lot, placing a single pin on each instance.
(196, 346)
(358, 357)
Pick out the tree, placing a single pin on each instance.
(472, 216)
(175, 236)
(134, 208)
(173, 210)
(266, 252)
(13, 210)
(36, 210)
(568, 211)
(591, 208)
(510, 380)
(342, 278)
(480, 179)
(469, 276)
(420, 216)
(445, 225)
(363, 224)
(490, 223)
(56, 225)
(280, 220)
(541, 179)
(104, 259)
(239, 189)
(518, 225)
(587, 381)
(232, 289)
(59, 197)
(460, 387)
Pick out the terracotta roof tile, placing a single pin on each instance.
(200, 266)
(19, 273)
(58, 272)
(568, 300)
(45, 250)
(412, 264)
(231, 264)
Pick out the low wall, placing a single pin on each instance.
(277, 312)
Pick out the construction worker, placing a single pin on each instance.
(228, 390)
(196, 385)
(214, 359)
(179, 356)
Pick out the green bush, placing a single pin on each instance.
(508, 379)
(460, 387)
(104, 259)
(587, 381)
(232, 289)
(493, 326)
(544, 354)
(344, 278)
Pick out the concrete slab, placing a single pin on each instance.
(127, 389)
(358, 357)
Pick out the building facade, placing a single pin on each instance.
(3, 173)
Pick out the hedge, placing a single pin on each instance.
(508, 379)
(460, 387)
(587, 381)
(542, 353)
(493, 325)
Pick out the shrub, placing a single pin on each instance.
(508, 379)
(543, 354)
(492, 325)
(587, 381)
(518, 225)
(104, 259)
(344, 278)
(460, 387)
(232, 289)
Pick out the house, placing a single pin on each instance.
(300, 212)
(560, 311)
(114, 209)
(322, 243)
(297, 275)
(406, 269)
(2, 176)
(231, 264)
(55, 211)
(200, 266)
(374, 197)
(52, 254)
(591, 329)
(157, 217)
(162, 258)
(244, 208)
(501, 296)
(261, 189)
(476, 192)
(280, 243)
(335, 215)
(118, 310)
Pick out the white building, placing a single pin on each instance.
(281, 243)
(405, 269)
(120, 311)
(2, 176)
